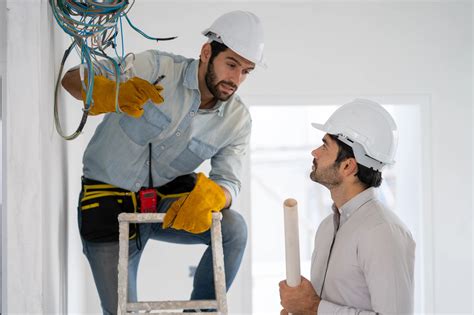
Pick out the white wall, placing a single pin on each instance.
(314, 48)
(34, 175)
(3, 35)
(3, 46)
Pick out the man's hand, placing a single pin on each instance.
(300, 300)
(133, 94)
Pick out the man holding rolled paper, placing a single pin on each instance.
(364, 256)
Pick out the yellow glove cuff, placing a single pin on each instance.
(193, 213)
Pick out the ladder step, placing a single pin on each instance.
(141, 217)
(173, 313)
(171, 305)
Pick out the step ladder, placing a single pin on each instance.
(163, 307)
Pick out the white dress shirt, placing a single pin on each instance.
(371, 264)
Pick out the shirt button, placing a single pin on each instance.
(137, 185)
(147, 163)
(178, 134)
(162, 147)
(192, 114)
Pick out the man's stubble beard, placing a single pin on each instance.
(327, 177)
(211, 84)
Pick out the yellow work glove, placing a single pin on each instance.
(133, 94)
(193, 213)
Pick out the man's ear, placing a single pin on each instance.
(349, 167)
(205, 52)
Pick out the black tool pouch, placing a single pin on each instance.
(181, 184)
(100, 206)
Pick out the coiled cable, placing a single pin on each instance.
(93, 26)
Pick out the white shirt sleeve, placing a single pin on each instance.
(326, 307)
(386, 255)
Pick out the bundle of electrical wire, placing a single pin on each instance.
(93, 26)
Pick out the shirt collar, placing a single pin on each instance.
(191, 75)
(355, 203)
(219, 108)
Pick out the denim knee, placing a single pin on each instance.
(234, 228)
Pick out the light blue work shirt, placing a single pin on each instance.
(181, 134)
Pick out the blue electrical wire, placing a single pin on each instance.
(94, 27)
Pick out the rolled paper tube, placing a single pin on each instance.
(292, 243)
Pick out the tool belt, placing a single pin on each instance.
(101, 204)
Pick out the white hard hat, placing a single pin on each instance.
(368, 128)
(242, 32)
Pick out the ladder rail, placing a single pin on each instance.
(123, 307)
(218, 263)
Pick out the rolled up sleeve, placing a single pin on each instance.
(227, 163)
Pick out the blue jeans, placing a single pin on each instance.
(103, 257)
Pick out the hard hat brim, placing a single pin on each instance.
(318, 126)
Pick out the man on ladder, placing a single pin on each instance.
(139, 160)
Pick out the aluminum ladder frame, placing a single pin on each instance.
(220, 303)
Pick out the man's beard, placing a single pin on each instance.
(211, 84)
(327, 177)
